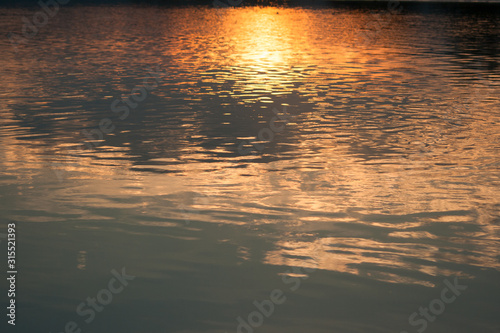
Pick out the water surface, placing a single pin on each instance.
(384, 180)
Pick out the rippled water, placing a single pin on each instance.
(361, 159)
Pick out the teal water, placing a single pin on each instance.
(344, 168)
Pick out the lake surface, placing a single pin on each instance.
(351, 165)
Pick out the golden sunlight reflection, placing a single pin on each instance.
(382, 261)
(381, 165)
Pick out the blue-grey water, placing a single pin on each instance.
(341, 161)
